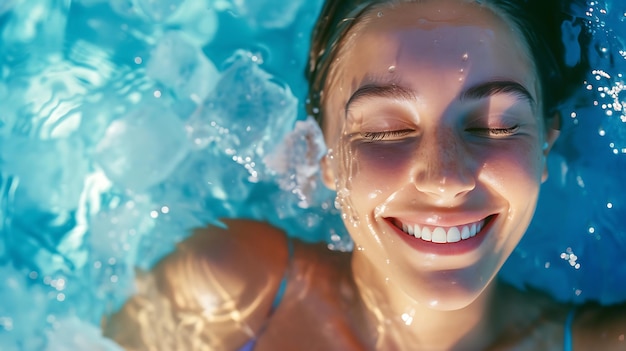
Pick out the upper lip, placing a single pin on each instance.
(448, 219)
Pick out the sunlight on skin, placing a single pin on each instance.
(404, 118)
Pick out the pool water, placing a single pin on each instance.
(126, 123)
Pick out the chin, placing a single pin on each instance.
(450, 290)
(451, 302)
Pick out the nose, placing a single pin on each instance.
(443, 170)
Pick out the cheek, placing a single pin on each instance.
(514, 170)
(378, 168)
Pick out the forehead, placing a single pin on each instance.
(430, 41)
(446, 27)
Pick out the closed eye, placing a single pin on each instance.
(495, 132)
(385, 135)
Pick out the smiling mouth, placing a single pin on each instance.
(443, 235)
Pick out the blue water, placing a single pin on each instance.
(125, 123)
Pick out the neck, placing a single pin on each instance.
(399, 320)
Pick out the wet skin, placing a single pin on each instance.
(433, 120)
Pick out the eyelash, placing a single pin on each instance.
(375, 136)
(497, 132)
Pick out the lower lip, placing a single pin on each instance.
(445, 249)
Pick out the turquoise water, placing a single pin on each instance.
(125, 123)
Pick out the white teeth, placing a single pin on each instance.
(417, 231)
(444, 235)
(426, 234)
(454, 235)
(465, 233)
(439, 235)
(409, 229)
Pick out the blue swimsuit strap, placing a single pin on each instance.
(283, 283)
(567, 334)
(249, 346)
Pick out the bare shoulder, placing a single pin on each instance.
(242, 263)
(527, 320)
(598, 327)
(321, 308)
(214, 291)
(544, 322)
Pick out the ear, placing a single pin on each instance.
(328, 174)
(552, 133)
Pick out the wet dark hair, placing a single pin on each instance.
(539, 21)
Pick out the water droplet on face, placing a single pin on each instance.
(379, 14)
(391, 69)
(465, 57)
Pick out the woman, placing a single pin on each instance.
(439, 116)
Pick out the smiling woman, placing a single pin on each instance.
(438, 116)
(461, 146)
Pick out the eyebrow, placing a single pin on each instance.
(495, 87)
(476, 92)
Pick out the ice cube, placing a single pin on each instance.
(248, 112)
(296, 161)
(143, 147)
(182, 67)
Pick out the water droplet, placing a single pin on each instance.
(408, 320)
(465, 56)
(391, 69)
(379, 14)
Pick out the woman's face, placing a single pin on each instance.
(432, 118)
